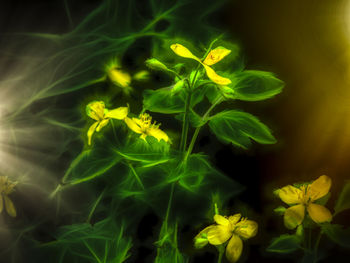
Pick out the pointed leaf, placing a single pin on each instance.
(284, 244)
(343, 201)
(238, 128)
(254, 85)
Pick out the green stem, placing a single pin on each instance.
(185, 125)
(221, 253)
(136, 175)
(94, 207)
(316, 246)
(169, 205)
(196, 132)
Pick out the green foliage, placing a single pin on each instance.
(284, 244)
(337, 234)
(162, 101)
(254, 85)
(343, 201)
(167, 245)
(238, 127)
(103, 242)
(90, 164)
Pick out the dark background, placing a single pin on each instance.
(306, 43)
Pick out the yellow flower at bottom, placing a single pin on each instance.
(6, 188)
(232, 228)
(97, 111)
(144, 126)
(303, 198)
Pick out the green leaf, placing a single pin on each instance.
(90, 164)
(105, 241)
(254, 85)
(284, 244)
(163, 101)
(238, 127)
(343, 201)
(148, 153)
(337, 234)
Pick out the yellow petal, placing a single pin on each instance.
(10, 208)
(294, 216)
(143, 136)
(102, 124)
(201, 239)
(158, 134)
(234, 248)
(246, 228)
(91, 131)
(319, 213)
(290, 195)
(219, 234)
(118, 113)
(215, 77)
(119, 78)
(133, 125)
(221, 220)
(319, 188)
(182, 51)
(215, 55)
(96, 110)
(1, 203)
(234, 219)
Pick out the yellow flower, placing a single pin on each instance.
(97, 111)
(6, 188)
(231, 228)
(214, 56)
(304, 197)
(144, 126)
(122, 79)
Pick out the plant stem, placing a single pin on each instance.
(136, 175)
(184, 132)
(196, 132)
(169, 205)
(316, 246)
(94, 207)
(221, 253)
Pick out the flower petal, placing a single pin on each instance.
(158, 134)
(246, 228)
(119, 77)
(234, 219)
(201, 239)
(102, 124)
(294, 216)
(319, 213)
(95, 110)
(290, 195)
(91, 131)
(219, 234)
(182, 51)
(215, 55)
(234, 248)
(215, 77)
(133, 125)
(10, 208)
(319, 188)
(221, 220)
(118, 113)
